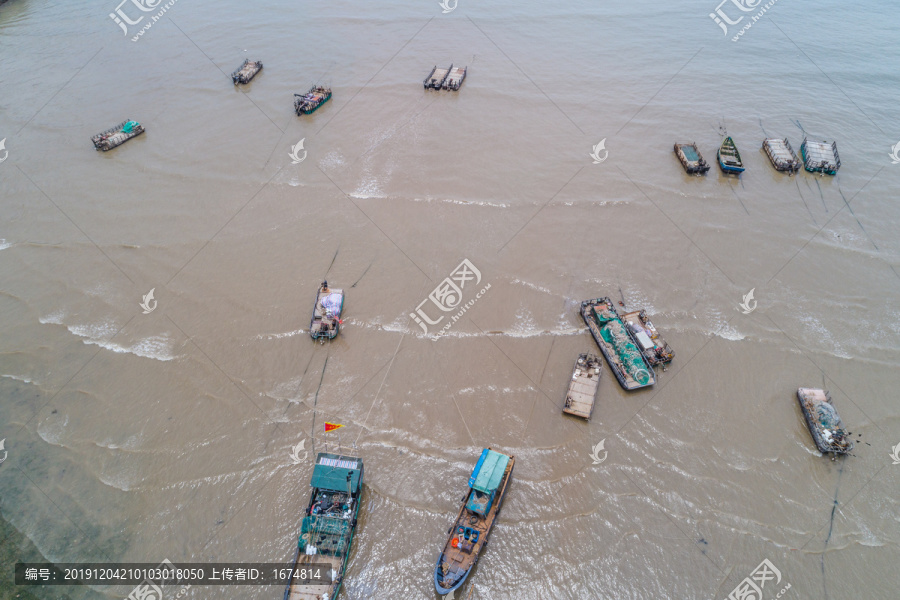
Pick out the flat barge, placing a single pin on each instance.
(625, 359)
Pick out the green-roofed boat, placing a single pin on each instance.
(468, 535)
(617, 343)
(328, 525)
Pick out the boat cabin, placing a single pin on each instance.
(485, 479)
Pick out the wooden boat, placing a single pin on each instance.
(729, 157)
(436, 78)
(691, 159)
(617, 344)
(823, 422)
(656, 351)
(118, 135)
(326, 316)
(469, 532)
(583, 387)
(326, 531)
(455, 78)
(819, 157)
(247, 71)
(781, 154)
(309, 102)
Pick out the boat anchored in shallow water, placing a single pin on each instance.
(823, 421)
(583, 387)
(468, 534)
(308, 103)
(655, 349)
(455, 78)
(729, 157)
(617, 344)
(326, 317)
(247, 71)
(691, 159)
(118, 135)
(781, 154)
(436, 78)
(820, 157)
(326, 532)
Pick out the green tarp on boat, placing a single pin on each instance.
(331, 471)
(489, 471)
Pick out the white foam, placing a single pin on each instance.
(157, 347)
(17, 378)
(463, 202)
(532, 286)
(4, 244)
(279, 336)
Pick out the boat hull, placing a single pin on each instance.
(626, 381)
(691, 159)
(809, 400)
(468, 520)
(316, 329)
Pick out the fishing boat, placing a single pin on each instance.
(823, 422)
(436, 78)
(308, 103)
(617, 344)
(118, 135)
(326, 316)
(326, 532)
(656, 351)
(455, 78)
(247, 71)
(781, 154)
(469, 532)
(729, 157)
(691, 159)
(583, 386)
(820, 157)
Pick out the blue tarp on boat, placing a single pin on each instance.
(489, 471)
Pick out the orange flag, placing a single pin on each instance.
(331, 426)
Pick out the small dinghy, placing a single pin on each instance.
(326, 533)
(781, 154)
(583, 387)
(436, 78)
(309, 102)
(824, 423)
(617, 344)
(326, 317)
(655, 350)
(118, 135)
(455, 78)
(820, 157)
(691, 159)
(729, 157)
(247, 71)
(468, 534)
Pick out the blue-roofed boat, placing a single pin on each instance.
(326, 532)
(729, 157)
(467, 536)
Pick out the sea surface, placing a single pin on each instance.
(138, 436)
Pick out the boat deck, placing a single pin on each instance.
(820, 157)
(584, 385)
(313, 592)
(691, 159)
(781, 154)
(321, 324)
(655, 349)
(246, 71)
(455, 78)
(437, 77)
(642, 370)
